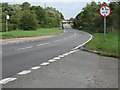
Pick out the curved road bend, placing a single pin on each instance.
(22, 56)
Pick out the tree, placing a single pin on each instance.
(87, 16)
(53, 17)
(40, 13)
(90, 18)
(25, 6)
(26, 17)
(28, 21)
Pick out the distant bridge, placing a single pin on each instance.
(67, 21)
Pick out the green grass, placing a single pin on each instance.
(18, 34)
(106, 48)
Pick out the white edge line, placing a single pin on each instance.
(83, 43)
(61, 56)
(7, 80)
(45, 63)
(36, 67)
(24, 72)
(56, 58)
(65, 54)
(51, 60)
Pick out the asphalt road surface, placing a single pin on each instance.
(80, 69)
(21, 56)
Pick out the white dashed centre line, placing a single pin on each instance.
(56, 40)
(25, 48)
(43, 44)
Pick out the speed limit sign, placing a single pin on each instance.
(105, 11)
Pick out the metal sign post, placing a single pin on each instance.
(105, 11)
(104, 28)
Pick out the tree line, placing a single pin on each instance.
(26, 17)
(89, 18)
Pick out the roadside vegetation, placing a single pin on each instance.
(89, 20)
(31, 33)
(107, 48)
(26, 17)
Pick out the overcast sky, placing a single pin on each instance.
(69, 8)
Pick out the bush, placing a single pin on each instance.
(3, 27)
(12, 27)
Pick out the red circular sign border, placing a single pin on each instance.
(108, 7)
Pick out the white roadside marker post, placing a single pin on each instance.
(7, 17)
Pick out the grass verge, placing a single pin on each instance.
(18, 34)
(105, 48)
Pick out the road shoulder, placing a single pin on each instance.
(17, 40)
(107, 74)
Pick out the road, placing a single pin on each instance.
(22, 56)
(80, 69)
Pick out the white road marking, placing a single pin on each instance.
(65, 38)
(65, 54)
(68, 53)
(36, 67)
(6, 80)
(24, 72)
(51, 60)
(56, 58)
(83, 43)
(72, 51)
(61, 56)
(45, 63)
(56, 40)
(75, 34)
(43, 44)
(70, 37)
(25, 48)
